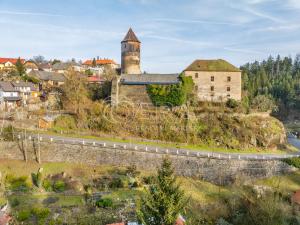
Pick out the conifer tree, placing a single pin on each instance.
(20, 67)
(163, 200)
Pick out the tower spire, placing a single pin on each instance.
(130, 36)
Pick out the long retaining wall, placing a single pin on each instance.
(213, 169)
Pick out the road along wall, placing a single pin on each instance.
(212, 168)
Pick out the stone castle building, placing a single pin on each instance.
(131, 86)
(215, 80)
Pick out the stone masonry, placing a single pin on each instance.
(219, 171)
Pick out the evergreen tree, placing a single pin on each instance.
(94, 63)
(163, 201)
(20, 67)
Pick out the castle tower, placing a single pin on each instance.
(130, 48)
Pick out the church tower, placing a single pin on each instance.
(130, 48)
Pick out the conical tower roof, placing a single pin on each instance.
(130, 36)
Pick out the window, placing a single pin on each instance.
(212, 88)
(212, 95)
(228, 88)
(228, 96)
(196, 75)
(196, 88)
(228, 79)
(212, 78)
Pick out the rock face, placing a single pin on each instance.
(219, 171)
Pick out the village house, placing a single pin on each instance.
(30, 65)
(63, 67)
(131, 86)
(9, 96)
(9, 63)
(98, 66)
(215, 80)
(27, 90)
(48, 79)
(45, 67)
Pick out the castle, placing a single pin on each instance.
(131, 86)
(215, 80)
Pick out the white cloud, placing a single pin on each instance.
(195, 21)
(22, 13)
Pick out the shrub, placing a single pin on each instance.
(23, 215)
(8, 133)
(262, 103)
(15, 202)
(65, 122)
(59, 186)
(18, 183)
(47, 185)
(231, 103)
(37, 179)
(293, 162)
(40, 213)
(104, 203)
(116, 183)
(171, 95)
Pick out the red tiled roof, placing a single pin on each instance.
(296, 197)
(94, 79)
(12, 60)
(99, 62)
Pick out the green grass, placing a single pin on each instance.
(174, 145)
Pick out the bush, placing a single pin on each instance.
(40, 213)
(8, 133)
(23, 215)
(65, 122)
(231, 103)
(47, 185)
(59, 186)
(104, 203)
(171, 95)
(15, 202)
(116, 183)
(18, 183)
(37, 179)
(262, 103)
(293, 162)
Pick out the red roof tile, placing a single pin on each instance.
(94, 79)
(99, 62)
(12, 60)
(296, 197)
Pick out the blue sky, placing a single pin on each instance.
(173, 32)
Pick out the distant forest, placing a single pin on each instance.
(278, 79)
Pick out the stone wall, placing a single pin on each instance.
(203, 83)
(220, 171)
(136, 94)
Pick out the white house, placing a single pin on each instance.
(9, 96)
(26, 90)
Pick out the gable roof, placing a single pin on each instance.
(46, 76)
(7, 86)
(130, 36)
(63, 66)
(99, 62)
(215, 65)
(11, 60)
(22, 84)
(144, 79)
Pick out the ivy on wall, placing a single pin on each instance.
(171, 95)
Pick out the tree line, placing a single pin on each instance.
(276, 78)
